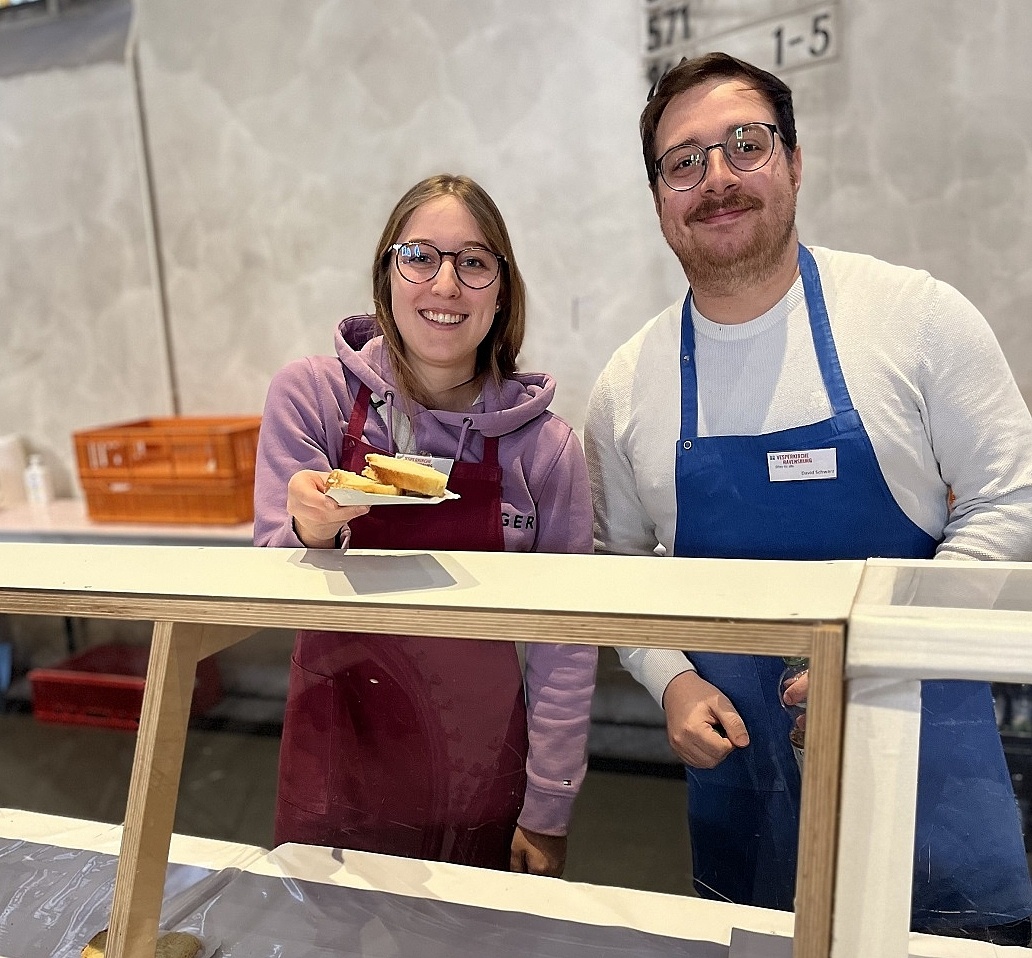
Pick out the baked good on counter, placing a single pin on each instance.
(173, 944)
(342, 479)
(407, 475)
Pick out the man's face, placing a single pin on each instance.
(734, 228)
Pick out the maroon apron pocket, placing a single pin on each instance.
(308, 744)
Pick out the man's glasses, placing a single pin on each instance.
(747, 148)
(475, 266)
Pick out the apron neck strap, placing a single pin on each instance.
(359, 410)
(820, 328)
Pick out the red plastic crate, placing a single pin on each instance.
(104, 686)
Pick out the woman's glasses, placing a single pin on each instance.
(475, 266)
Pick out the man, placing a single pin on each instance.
(816, 405)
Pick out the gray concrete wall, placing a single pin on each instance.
(281, 132)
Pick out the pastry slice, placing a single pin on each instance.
(405, 474)
(342, 479)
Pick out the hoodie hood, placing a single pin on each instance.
(504, 408)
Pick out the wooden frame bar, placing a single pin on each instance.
(190, 626)
(819, 815)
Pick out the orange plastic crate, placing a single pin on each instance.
(104, 686)
(173, 469)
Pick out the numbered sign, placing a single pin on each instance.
(672, 30)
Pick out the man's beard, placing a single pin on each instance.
(722, 272)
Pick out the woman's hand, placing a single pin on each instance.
(317, 518)
(537, 854)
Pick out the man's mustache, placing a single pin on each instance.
(709, 208)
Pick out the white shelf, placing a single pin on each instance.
(65, 521)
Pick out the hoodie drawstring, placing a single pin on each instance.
(466, 423)
(387, 414)
(388, 419)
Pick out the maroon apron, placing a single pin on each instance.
(408, 745)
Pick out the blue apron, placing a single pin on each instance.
(744, 814)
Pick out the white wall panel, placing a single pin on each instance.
(282, 132)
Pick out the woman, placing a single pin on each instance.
(427, 747)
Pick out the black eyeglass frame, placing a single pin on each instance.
(722, 146)
(397, 247)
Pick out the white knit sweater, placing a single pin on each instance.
(923, 369)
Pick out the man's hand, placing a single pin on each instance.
(317, 518)
(695, 713)
(537, 854)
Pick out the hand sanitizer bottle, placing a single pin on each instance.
(39, 489)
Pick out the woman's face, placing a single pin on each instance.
(442, 321)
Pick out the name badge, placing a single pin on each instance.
(804, 464)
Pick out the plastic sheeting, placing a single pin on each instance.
(54, 899)
(259, 916)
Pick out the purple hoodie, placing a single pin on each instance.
(546, 507)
